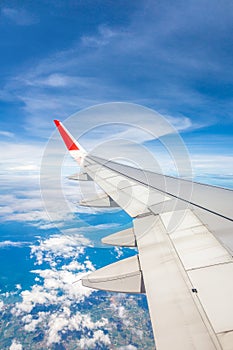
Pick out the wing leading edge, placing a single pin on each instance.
(185, 268)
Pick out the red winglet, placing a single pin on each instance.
(69, 141)
(57, 122)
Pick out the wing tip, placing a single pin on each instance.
(70, 142)
(57, 122)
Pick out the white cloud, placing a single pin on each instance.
(30, 324)
(15, 345)
(62, 321)
(212, 163)
(57, 305)
(56, 324)
(65, 246)
(23, 203)
(58, 286)
(27, 167)
(119, 252)
(91, 342)
(121, 312)
(20, 172)
(127, 347)
(5, 244)
(34, 217)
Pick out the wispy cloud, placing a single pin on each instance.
(133, 63)
(19, 16)
(6, 133)
(183, 123)
(19, 156)
(104, 36)
(215, 169)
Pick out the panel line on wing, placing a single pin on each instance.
(207, 266)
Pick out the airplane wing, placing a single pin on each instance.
(183, 232)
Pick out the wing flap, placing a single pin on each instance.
(123, 276)
(125, 238)
(103, 201)
(80, 177)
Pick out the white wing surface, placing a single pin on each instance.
(184, 235)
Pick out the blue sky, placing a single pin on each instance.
(58, 57)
